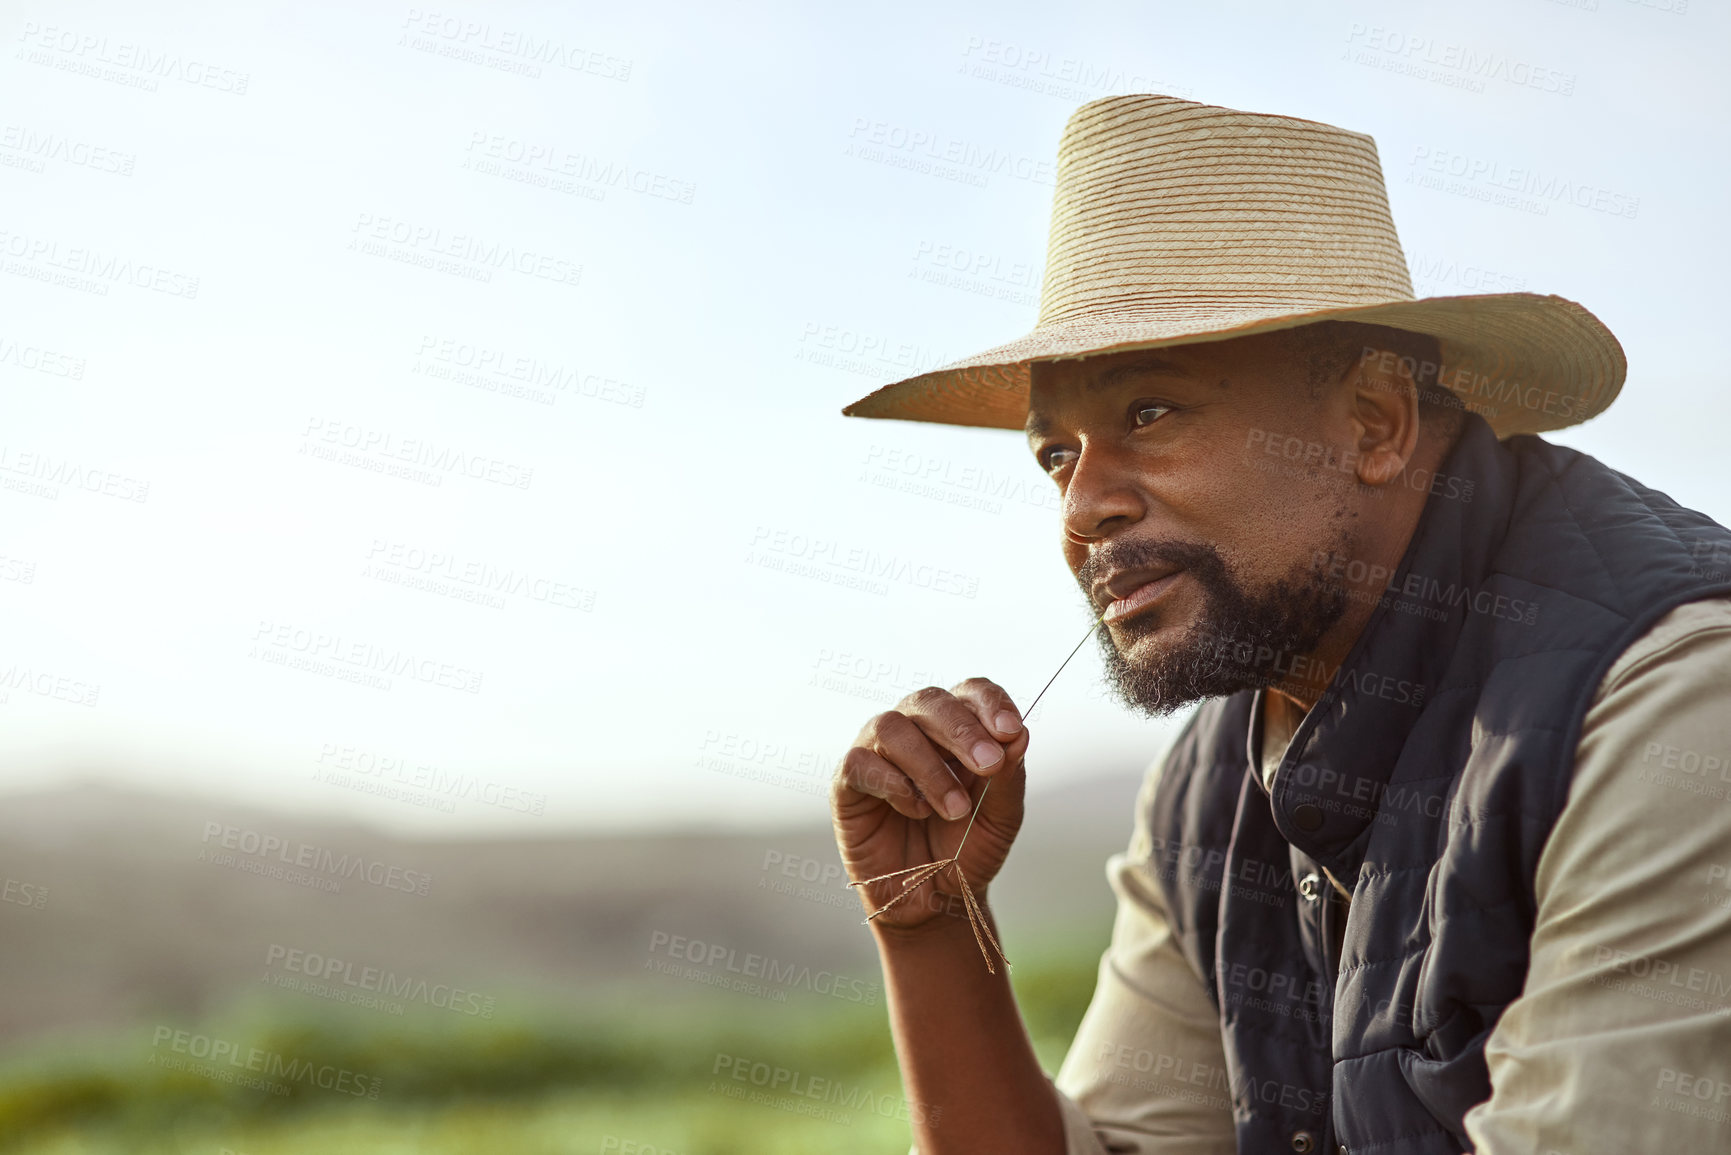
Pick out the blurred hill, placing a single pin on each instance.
(149, 917)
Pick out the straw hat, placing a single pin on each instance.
(1176, 222)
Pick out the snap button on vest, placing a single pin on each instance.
(1303, 1142)
(1308, 886)
(1306, 816)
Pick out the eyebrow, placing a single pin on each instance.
(1112, 377)
(1141, 366)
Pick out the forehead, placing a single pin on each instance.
(1106, 370)
(1053, 383)
(1201, 367)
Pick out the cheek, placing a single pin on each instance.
(1268, 513)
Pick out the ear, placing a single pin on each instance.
(1384, 414)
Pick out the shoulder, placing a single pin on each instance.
(1693, 638)
(1654, 756)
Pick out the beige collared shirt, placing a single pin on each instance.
(1620, 1041)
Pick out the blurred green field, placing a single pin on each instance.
(637, 1078)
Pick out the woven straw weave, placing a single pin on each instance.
(1174, 222)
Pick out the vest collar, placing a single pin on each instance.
(1336, 771)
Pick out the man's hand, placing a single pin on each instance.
(903, 793)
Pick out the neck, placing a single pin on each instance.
(1387, 523)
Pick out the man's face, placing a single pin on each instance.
(1199, 544)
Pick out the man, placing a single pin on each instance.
(1443, 861)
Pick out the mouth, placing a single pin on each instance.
(1133, 592)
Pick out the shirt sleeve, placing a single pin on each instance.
(1621, 1038)
(1146, 1072)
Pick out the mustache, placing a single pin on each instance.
(1202, 559)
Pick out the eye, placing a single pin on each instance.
(1147, 412)
(1054, 459)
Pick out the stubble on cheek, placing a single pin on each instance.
(1228, 636)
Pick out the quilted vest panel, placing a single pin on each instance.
(1425, 780)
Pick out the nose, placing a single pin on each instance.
(1099, 497)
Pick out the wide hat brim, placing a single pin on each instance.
(1525, 362)
(1175, 222)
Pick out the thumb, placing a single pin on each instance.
(1000, 810)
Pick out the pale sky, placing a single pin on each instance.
(269, 269)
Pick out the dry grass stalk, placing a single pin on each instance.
(976, 915)
(924, 873)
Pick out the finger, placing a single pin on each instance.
(866, 774)
(996, 709)
(994, 706)
(907, 745)
(952, 724)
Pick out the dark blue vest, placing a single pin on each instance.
(1426, 781)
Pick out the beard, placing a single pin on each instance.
(1244, 639)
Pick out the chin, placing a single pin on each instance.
(1159, 627)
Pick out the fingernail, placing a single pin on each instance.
(955, 804)
(1007, 722)
(987, 754)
